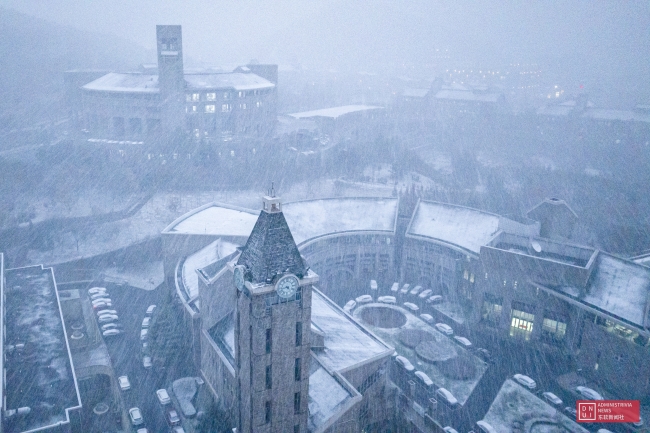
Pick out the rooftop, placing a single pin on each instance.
(515, 405)
(464, 227)
(467, 95)
(200, 259)
(124, 82)
(327, 396)
(215, 219)
(335, 112)
(39, 370)
(232, 80)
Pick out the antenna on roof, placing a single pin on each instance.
(272, 190)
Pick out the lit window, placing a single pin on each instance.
(196, 97)
(210, 109)
(242, 94)
(471, 278)
(232, 153)
(210, 96)
(259, 104)
(466, 274)
(226, 108)
(193, 108)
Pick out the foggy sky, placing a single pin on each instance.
(581, 37)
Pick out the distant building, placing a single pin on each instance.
(345, 122)
(129, 109)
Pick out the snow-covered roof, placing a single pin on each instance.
(125, 82)
(514, 404)
(467, 95)
(555, 110)
(327, 397)
(313, 218)
(464, 227)
(617, 287)
(415, 93)
(231, 80)
(347, 344)
(622, 115)
(215, 219)
(334, 112)
(200, 259)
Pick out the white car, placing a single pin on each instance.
(463, 342)
(446, 396)
(444, 328)
(405, 289)
(146, 362)
(136, 416)
(94, 290)
(387, 299)
(150, 310)
(124, 383)
(435, 299)
(394, 288)
(416, 290)
(105, 312)
(524, 380)
(101, 300)
(145, 322)
(424, 378)
(411, 306)
(142, 430)
(102, 305)
(425, 294)
(178, 429)
(108, 326)
(111, 332)
(426, 317)
(163, 397)
(588, 393)
(405, 363)
(552, 398)
(364, 299)
(449, 429)
(485, 427)
(143, 334)
(350, 306)
(108, 318)
(98, 296)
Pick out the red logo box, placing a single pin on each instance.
(608, 411)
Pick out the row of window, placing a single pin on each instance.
(225, 108)
(521, 322)
(212, 96)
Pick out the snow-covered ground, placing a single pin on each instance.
(145, 276)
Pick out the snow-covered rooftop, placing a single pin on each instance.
(334, 112)
(313, 218)
(200, 259)
(326, 397)
(464, 227)
(215, 219)
(415, 93)
(467, 95)
(232, 80)
(125, 82)
(618, 287)
(622, 115)
(555, 110)
(515, 406)
(347, 344)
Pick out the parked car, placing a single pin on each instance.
(435, 299)
(463, 342)
(178, 429)
(124, 383)
(405, 363)
(446, 396)
(143, 334)
(94, 290)
(411, 306)
(142, 430)
(484, 354)
(387, 299)
(373, 285)
(572, 412)
(99, 295)
(485, 427)
(424, 379)
(525, 381)
(405, 289)
(145, 322)
(102, 305)
(588, 393)
(136, 416)
(449, 429)
(105, 312)
(349, 306)
(111, 332)
(552, 398)
(150, 310)
(425, 294)
(100, 300)
(444, 328)
(108, 326)
(415, 290)
(163, 397)
(394, 288)
(146, 361)
(426, 317)
(364, 299)
(173, 418)
(108, 318)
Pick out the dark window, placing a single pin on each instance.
(297, 371)
(296, 428)
(268, 340)
(299, 334)
(268, 377)
(267, 415)
(296, 403)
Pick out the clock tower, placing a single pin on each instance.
(272, 327)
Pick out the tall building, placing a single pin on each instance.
(171, 79)
(272, 346)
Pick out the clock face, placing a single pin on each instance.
(287, 286)
(239, 277)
